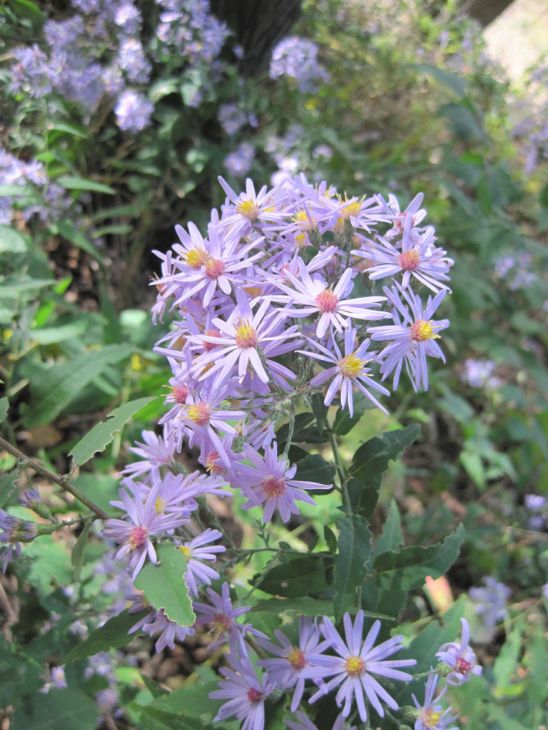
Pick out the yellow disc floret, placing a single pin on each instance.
(245, 335)
(187, 552)
(195, 257)
(351, 366)
(249, 209)
(354, 665)
(422, 330)
(430, 718)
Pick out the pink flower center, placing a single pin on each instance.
(210, 345)
(245, 335)
(462, 666)
(213, 463)
(326, 301)
(296, 658)
(200, 413)
(180, 394)
(273, 486)
(422, 330)
(254, 695)
(354, 666)
(222, 622)
(138, 537)
(409, 260)
(214, 268)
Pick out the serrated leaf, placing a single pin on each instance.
(71, 182)
(164, 585)
(4, 408)
(102, 433)
(350, 562)
(112, 635)
(416, 563)
(59, 385)
(391, 537)
(370, 462)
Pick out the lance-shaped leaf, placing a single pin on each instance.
(112, 635)
(102, 433)
(164, 585)
(350, 563)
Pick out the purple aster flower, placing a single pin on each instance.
(232, 118)
(220, 615)
(159, 626)
(107, 700)
(459, 657)
(350, 370)
(241, 344)
(419, 259)
(133, 111)
(127, 17)
(479, 373)
(295, 664)
(431, 715)
(404, 222)
(141, 523)
(239, 162)
(155, 452)
(30, 71)
(303, 722)
(535, 502)
(250, 208)
(298, 58)
(131, 60)
(198, 550)
(490, 601)
(13, 532)
(245, 693)
(311, 296)
(357, 661)
(268, 481)
(56, 680)
(412, 336)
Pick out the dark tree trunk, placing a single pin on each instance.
(258, 25)
(485, 11)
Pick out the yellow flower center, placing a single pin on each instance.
(409, 260)
(305, 222)
(327, 301)
(301, 240)
(245, 335)
(273, 486)
(249, 209)
(296, 658)
(351, 366)
(160, 505)
(354, 666)
(430, 718)
(200, 413)
(195, 257)
(187, 552)
(422, 330)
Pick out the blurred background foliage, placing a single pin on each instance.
(408, 101)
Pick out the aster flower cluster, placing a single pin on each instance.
(97, 53)
(297, 58)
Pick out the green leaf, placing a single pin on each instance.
(7, 485)
(52, 335)
(473, 465)
(350, 563)
(344, 422)
(4, 408)
(102, 433)
(69, 231)
(416, 563)
(164, 585)
(451, 81)
(51, 564)
(303, 606)
(314, 468)
(112, 635)
(76, 130)
(11, 241)
(297, 577)
(15, 191)
(371, 461)
(59, 709)
(392, 537)
(12, 289)
(507, 661)
(61, 383)
(77, 558)
(71, 182)
(30, 11)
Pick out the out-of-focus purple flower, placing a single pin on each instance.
(245, 693)
(131, 60)
(238, 163)
(107, 700)
(535, 502)
(133, 111)
(191, 30)
(294, 664)
(56, 680)
(479, 373)
(113, 81)
(431, 715)
(349, 370)
(357, 662)
(490, 601)
(411, 336)
(128, 18)
(313, 297)
(29, 72)
(268, 481)
(13, 532)
(198, 550)
(459, 657)
(298, 58)
(231, 118)
(30, 497)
